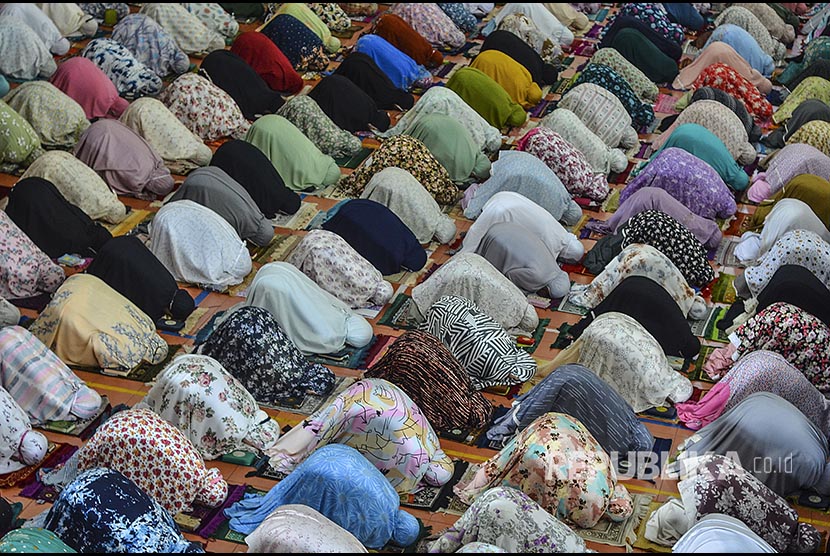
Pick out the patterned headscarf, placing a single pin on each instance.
(432, 23)
(132, 78)
(335, 18)
(801, 247)
(304, 112)
(602, 158)
(25, 270)
(205, 109)
(642, 113)
(724, 77)
(740, 16)
(655, 17)
(20, 142)
(602, 112)
(192, 36)
(637, 80)
(58, 120)
(810, 88)
(300, 45)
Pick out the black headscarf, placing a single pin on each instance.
(7, 519)
(648, 303)
(249, 166)
(378, 235)
(132, 270)
(807, 111)
(666, 46)
(819, 68)
(228, 71)
(54, 224)
(510, 44)
(348, 105)
(361, 69)
(735, 105)
(244, 11)
(796, 285)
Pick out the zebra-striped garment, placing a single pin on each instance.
(425, 369)
(480, 343)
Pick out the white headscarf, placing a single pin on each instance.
(404, 195)
(785, 216)
(721, 534)
(800, 247)
(472, 276)
(24, 56)
(40, 23)
(544, 20)
(315, 320)
(198, 246)
(19, 444)
(192, 36)
(69, 18)
(296, 528)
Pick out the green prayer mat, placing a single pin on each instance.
(349, 357)
(308, 404)
(562, 341)
(77, 427)
(537, 336)
(706, 328)
(722, 290)
(396, 314)
(145, 372)
(696, 371)
(612, 202)
(352, 162)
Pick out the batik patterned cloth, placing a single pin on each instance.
(637, 80)
(606, 77)
(58, 120)
(723, 77)
(132, 78)
(151, 44)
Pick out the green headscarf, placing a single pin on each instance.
(487, 97)
(32, 540)
(648, 58)
(818, 49)
(813, 87)
(299, 162)
(313, 22)
(19, 142)
(789, 17)
(452, 145)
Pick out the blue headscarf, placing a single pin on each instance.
(401, 69)
(103, 511)
(699, 141)
(337, 481)
(378, 235)
(460, 15)
(685, 14)
(745, 45)
(300, 45)
(4, 86)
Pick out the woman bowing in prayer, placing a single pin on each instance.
(304, 112)
(90, 87)
(268, 61)
(20, 446)
(289, 527)
(151, 45)
(58, 120)
(25, 270)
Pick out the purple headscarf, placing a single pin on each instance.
(789, 162)
(688, 179)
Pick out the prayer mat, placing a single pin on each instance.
(347, 33)
(663, 413)
(193, 319)
(563, 85)
(222, 530)
(650, 128)
(411, 278)
(565, 306)
(537, 336)
(430, 498)
(349, 357)
(696, 371)
(541, 109)
(335, 191)
(641, 542)
(145, 372)
(594, 32)
(737, 225)
(454, 210)
(703, 328)
(644, 149)
(317, 222)
(203, 520)
(277, 250)
(397, 315)
(582, 47)
(207, 329)
(599, 16)
(725, 253)
(507, 390)
(448, 51)
(241, 289)
(612, 202)
(562, 340)
(454, 506)
(79, 426)
(379, 348)
(134, 218)
(25, 476)
(308, 404)
(722, 290)
(354, 160)
(444, 69)
(474, 437)
(299, 220)
(665, 104)
(619, 533)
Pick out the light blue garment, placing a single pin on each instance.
(402, 70)
(103, 511)
(699, 141)
(745, 45)
(4, 86)
(576, 391)
(525, 174)
(151, 44)
(340, 483)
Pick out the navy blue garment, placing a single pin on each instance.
(249, 166)
(228, 71)
(300, 45)
(461, 16)
(685, 14)
(361, 69)
(378, 235)
(510, 44)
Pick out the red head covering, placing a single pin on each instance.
(406, 39)
(268, 61)
(90, 87)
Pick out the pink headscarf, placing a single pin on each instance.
(90, 87)
(720, 52)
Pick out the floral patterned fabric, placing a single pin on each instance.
(790, 162)
(444, 101)
(642, 86)
(674, 240)
(524, 28)
(211, 407)
(214, 17)
(511, 520)
(89, 324)
(410, 154)
(85, 517)
(817, 49)
(335, 18)
(205, 109)
(151, 44)
(168, 137)
(720, 485)
(655, 17)
(58, 120)
(23, 55)
(642, 377)
(304, 112)
(307, 16)
(437, 382)
(813, 87)
(568, 163)
(329, 260)
(602, 112)
(548, 25)
(19, 142)
(721, 121)
(815, 133)
(300, 45)
(642, 114)
(192, 36)
(132, 78)
(432, 23)
(602, 158)
(799, 247)
(541, 461)
(25, 270)
(380, 421)
(155, 454)
(460, 15)
(722, 76)
(79, 184)
(689, 180)
(798, 336)
(740, 16)
(15, 428)
(640, 260)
